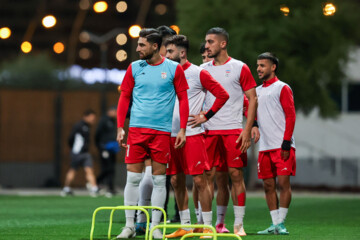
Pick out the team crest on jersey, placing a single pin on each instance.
(163, 75)
(227, 73)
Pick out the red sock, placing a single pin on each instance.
(241, 199)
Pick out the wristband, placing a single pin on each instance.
(255, 124)
(286, 145)
(209, 114)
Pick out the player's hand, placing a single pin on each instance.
(120, 137)
(196, 120)
(180, 139)
(244, 141)
(255, 134)
(285, 155)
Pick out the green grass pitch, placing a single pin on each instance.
(52, 218)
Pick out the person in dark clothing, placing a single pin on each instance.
(105, 139)
(79, 141)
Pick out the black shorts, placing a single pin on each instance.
(81, 160)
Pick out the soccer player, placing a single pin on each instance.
(192, 158)
(105, 139)
(276, 120)
(153, 82)
(146, 185)
(204, 56)
(79, 142)
(226, 140)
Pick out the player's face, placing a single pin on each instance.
(90, 119)
(172, 53)
(265, 69)
(145, 49)
(205, 57)
(214, 44)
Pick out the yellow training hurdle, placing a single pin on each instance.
(113, 209)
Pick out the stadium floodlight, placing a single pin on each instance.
(49, 21)
(329, 9)
(134, 31)
(58, 47)
(26, 47)
(285, 10)
(100, 6)
(5, 33)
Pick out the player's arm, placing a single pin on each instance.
(123, 105)
(181, 87)
(287, 103)
(248, 85)
(210, 84)
(255, 133)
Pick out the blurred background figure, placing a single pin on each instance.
(79, 141)
(105, 139)
(204, 55)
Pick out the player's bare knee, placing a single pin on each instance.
(199, 182)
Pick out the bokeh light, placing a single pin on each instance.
(121, 6)
(134, 31)
(49, 21)
(84, 37)
(329, 9)
(26, 47)
(175, 28)
(5, 32)
(58, 47)
(161, 9)
(285, 10)
(121, 39)
(100, 6)
(85, 53)
(121, 55)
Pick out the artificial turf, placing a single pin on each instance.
(52, 217)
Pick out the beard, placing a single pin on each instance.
(214, 54)
(265, 77)
(146, 56)
(177, 59)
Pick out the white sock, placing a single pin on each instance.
(207, 216)
(145, 188)
(200, 216)
(239, 212)
(131, 195)
(275, 217)
(158, 197)
(94, 189)
(220, 213)
(282, 214)
(185, 218)
(66, 189)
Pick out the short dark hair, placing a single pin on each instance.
(165, 31)
(179, 41)
(202, 48)
(88, 112)
(270, 56)
(152, 36)
(219, 31)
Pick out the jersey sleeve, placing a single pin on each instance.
(180, 83)
(128, 82)
(210, 84)
(287, 103)
(247, 81)
(183, 108)
(126, 91)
